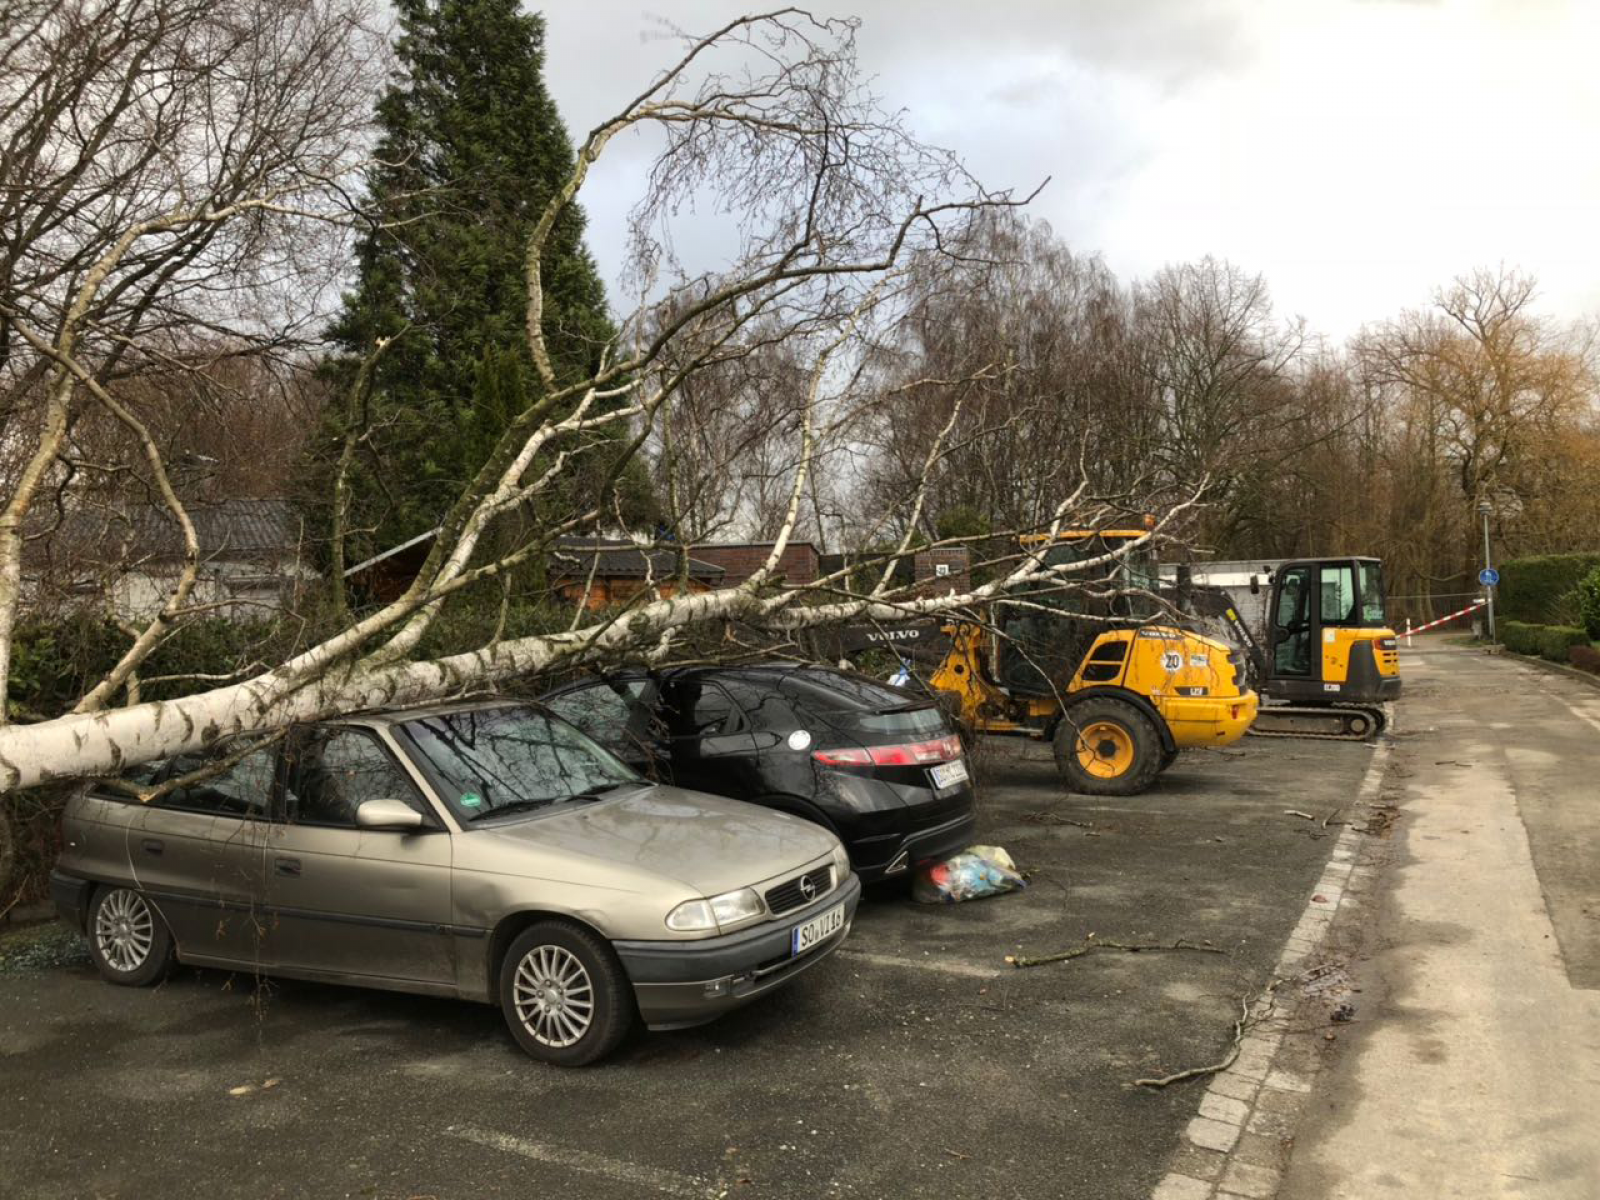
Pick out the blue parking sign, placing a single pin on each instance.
(1488, 577)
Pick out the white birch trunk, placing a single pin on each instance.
(106, 742)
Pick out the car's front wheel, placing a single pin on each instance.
(564, 994)
(128, 940)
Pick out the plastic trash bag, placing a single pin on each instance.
(976, 872)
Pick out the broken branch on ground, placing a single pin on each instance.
(1092, 943)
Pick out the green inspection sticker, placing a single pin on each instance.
(471, 800)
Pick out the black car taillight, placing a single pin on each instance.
(905, 754)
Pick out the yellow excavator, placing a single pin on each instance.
(1315, 636)
(1117, 693)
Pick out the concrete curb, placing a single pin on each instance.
(1236, 1147)
(1545, 664)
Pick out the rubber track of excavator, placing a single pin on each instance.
(1341, 715)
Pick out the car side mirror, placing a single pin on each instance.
(387, 814)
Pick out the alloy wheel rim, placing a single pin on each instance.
(1105, 749)
(124, 930)
(554, 996)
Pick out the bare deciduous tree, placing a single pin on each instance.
(161, 162)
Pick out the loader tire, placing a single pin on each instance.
(1107, 747)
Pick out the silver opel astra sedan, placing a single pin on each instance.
(488, 851)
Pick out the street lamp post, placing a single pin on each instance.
(1484, 510)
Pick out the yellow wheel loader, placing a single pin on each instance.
(1116, 693)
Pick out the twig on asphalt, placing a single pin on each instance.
(1295, 812)
(958, 1154)
(1092, 943)
(1034, 873)
(1244, 1023)
(1045, 817)
(1331, 816)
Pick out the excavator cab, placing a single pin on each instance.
(1320, 649)
(1330, 637)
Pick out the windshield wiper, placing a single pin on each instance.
(510, 806)
(595, 791)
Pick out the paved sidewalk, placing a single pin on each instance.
(1475, 1071)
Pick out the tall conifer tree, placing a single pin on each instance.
(472, 148)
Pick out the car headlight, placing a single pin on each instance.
(841, 864)
(718, 913)
(692, 916)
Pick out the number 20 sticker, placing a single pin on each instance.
(1172, 661)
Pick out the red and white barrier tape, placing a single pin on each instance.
(1473, 607)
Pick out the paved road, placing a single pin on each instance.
(1475, 1071)
(913, 1063)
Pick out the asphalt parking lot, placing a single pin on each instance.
(914, 1062)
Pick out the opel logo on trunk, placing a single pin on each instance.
(807, 888)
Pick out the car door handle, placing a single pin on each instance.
(286, 866)
(152, 846)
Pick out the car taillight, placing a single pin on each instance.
(908, 754)
(843, 758)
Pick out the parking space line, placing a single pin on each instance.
(668, 1183)
(920, 964)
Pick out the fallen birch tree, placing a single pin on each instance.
(832, 200)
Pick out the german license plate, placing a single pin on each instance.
(949, 774)
(813, 933)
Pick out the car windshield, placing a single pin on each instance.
(490, 760)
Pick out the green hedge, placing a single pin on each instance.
(1517, 636)
(1558, 640)
(1546, 641)
(1543, 589)
(56, 661)
(1589, 602)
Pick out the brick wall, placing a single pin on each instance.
(740, 560)
(607, 591)
(941, 571)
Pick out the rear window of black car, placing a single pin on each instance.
(848, 702)
(856, 691)
(927, 720)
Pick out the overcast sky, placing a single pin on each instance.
(1358, 154)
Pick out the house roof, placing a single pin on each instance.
(612, 558)
(792, 545)
(238, 528)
